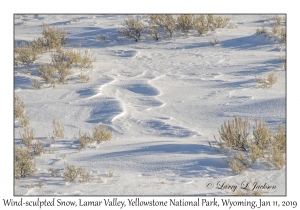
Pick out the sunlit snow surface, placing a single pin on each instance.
(163, 100)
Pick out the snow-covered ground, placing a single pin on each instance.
(164, 101)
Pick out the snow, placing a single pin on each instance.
(163, 101)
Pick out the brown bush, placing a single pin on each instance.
(19, 112)
(54, 38)
(185, 23)
(167, 22)
(71, 173)
(100, 133)
(58, 129)
(24, 162)
(133, 29)
(234, 134)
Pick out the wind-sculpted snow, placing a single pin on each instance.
(143, 89)
(126, 53)
(163, 100)
(103, 110)
(163, 129)
(22, 82)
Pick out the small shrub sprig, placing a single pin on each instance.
(58, 129)
(100, 134)
(71, 173)
(19, 112)
(27, 137)
(268, 81)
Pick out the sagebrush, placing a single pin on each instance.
(185, 22)
(54, 38)
(24, 54)
(234, 134)
(63, 61)
(268, 81)
(24, 162)
(243, 149)
(133, 29)
(27, 136)
(19, 112)
(165, 21)
(100, 134)
(58, 129)
(71, 173)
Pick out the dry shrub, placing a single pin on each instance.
(283, 58)
(36, 84)
(278, 31)
(81, 60)
(214, 41)
(54, 38)
(84, 78)
(277, 152)
(24, 121)
(262, 137)
(278, 19)
(71, 173)
(24, 54)
(52, 172)
(19, 112)
(46, 72)
(102, 38)
(279, 28)
(201, 24)
(185, 22)
(38, 45)
(239, 163)
(205, 23)
(110, 174)
(62, 63)
(218, 22)
(24, 162)
(37, 148)
(154, 32)
(261, 30)
(100, 134)
(58, 129)
(19, 107)
(74, 20)
(27, 137)
(276, 157)
(133, 29)
(264, 143)
(167, 22)
(267, 82)
(234, 134)
(85, 139)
